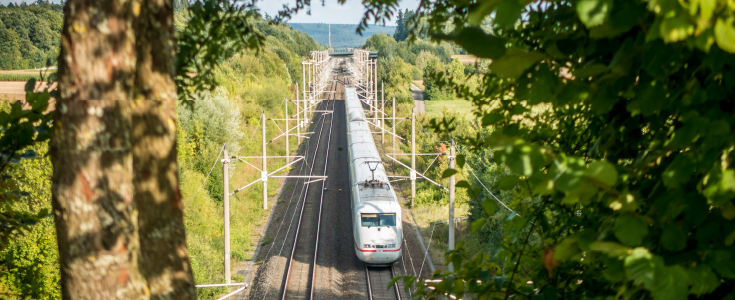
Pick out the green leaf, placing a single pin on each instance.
(524, 159)
(650, 100)
(507, 13)
(703, 280)
(463, 184)
(723, 263)
(583, 193)
(603, 172)
(573, 92)
(567, 249)
(630, 230)
(30, 85)
(489, 206)
(478, 43)
(507, 182)
(540, 87)
(461, 160)
(725, 34)
(479, 12)
(676, 29)
(730, 238)
(678, 172)
(44, 213)
(641, 265)
(720, 186)
(449, 172)
(550, 293)
(476, 225)
(590, 70)
(673, 238)
(544, 187)
(492, 118)
(603, 101)
(614, 271)
(514, 63)
(594, 12)
(672, 283)
(612, 249)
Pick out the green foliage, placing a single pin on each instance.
(616, 116)
(28, 251)
(216, 30)
(405, 22)
(343, 35)
(29, 35)
(23, 128)
(19, 77)
(29, 261)
(247, 82)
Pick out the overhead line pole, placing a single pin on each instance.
(298, 119)
(413, 156)
(303, 87)
(264, 172)
(288, 152)
(393, 122)
(226, 204)
(382, 109)
(452, 161)
(375, 90)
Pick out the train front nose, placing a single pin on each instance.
(380, 247)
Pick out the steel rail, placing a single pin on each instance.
(301, 215)
(395, 284)
(321, 204)
(370, 287)
(321, 198)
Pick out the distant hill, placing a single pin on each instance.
(343, 35)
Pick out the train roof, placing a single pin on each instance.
(371, 186)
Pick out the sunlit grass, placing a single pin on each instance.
(434, 108)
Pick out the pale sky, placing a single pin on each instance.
(332, 13)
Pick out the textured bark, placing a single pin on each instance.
(164, 260)
(92, 190)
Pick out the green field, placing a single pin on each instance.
(434, 108)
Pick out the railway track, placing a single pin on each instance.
(302, 266)
(378, 279)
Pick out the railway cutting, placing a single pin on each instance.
(329, 240)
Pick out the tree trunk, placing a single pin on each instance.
(164, 259)
(92, 184)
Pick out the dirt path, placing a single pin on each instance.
(418, 98)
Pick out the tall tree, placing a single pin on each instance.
(164, 259)
(116, 196)
(92, 184)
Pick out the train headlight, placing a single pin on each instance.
(391, 245)
(366, 246)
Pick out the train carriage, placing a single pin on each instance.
(376, 214)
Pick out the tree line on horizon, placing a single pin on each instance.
(29, 34)
(343, 35)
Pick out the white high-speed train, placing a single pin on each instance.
(376, 214)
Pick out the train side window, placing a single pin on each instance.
(387, 219)
(370, 220)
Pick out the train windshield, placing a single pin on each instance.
(378, 220)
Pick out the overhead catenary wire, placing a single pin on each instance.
(216, 160)
(483, 185)
(205, 179)
(470, 169)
